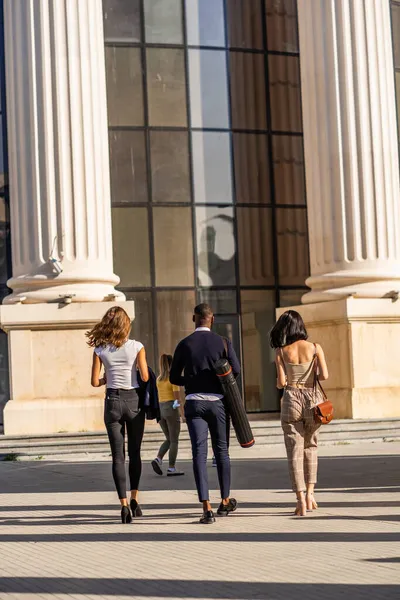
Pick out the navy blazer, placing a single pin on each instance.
(148, 395)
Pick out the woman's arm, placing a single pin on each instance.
(142, 365)
(322, 367)
(96, 368)
(177, 396)
(280, 370)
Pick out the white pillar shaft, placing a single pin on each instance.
(58, 150)
(351, 148)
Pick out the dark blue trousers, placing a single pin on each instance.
(203, 416)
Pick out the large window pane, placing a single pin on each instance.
(290, 297)
(174, 318)
(221, 301)
(293, 260)
(170, 171)
(122, 20)
(4, 242)
(396, 34)
(205, 23)
(166, 87)
(250, 153)
(131, 246)
(256, 265)
(215, 246)
(124, 86)
(208, 89)
(282, 25)
(248, 91)
(163, 21)
(128, 167)
(284, 82)
(143, 328)
(258, 316)
(245, 24)
(289, 170)
(212, 167)
(173, 246)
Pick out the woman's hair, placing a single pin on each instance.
(165, 367)
(288, 329)
(114, 329)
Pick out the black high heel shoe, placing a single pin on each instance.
(126, 516)
(135, 508)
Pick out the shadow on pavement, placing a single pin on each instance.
(165, 588)
(358, 473)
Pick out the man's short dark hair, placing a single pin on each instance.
(204, 311)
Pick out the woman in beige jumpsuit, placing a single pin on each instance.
(296, 361)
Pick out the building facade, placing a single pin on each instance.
(159, 151)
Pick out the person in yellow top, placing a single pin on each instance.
(171, 413)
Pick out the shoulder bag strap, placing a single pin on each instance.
(317, 383)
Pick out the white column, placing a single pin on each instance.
(351, 148)
(58, 151)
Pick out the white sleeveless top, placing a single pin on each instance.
(120, 364)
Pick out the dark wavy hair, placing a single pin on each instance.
(288, 329)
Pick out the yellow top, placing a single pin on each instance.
(166, 390)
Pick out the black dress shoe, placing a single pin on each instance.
(225, 509)
(135, 508)
(126, 516)
(207, 518)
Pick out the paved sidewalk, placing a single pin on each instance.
(60, 536)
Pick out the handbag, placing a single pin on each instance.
(323, 412)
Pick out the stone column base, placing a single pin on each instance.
(360, 338)
(50, 365)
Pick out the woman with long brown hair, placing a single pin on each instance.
(170, 421)
(121, 358)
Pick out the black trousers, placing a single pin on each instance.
(122, 413)
(203, 416)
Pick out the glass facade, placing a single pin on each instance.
(207, 170)
(5, 252)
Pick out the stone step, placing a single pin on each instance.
(267, 433)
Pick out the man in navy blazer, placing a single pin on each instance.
(193, 367)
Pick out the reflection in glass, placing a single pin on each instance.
(245, 24)
(258, 317)
(215, 246)
(122, 20)
(163, 21)
(255, 242)
(247, 73)
(282, 25)
(290, 297)
(293, 259)
(173, 246)
(250, 153)
(142, 328)
(124, 86)
(205, 22)
(166, 87)
(4, 380)
(208, 89)
(284, 82)
(289, 170)
(212, 167)
(174, 318)
(131, 246)
(221, 301)
(170, 173)
(128, 168)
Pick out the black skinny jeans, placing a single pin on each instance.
(122, 412)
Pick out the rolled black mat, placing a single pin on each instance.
(234, 403)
